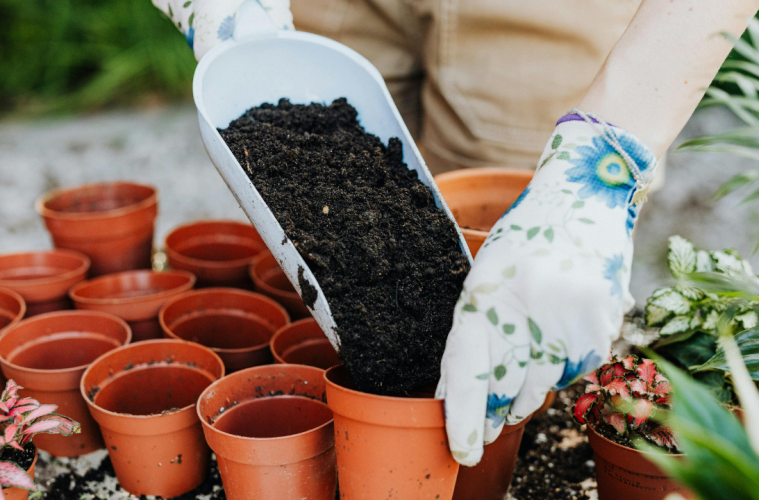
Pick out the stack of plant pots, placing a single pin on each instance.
(12, 308)
(270, 280)
(303, 343)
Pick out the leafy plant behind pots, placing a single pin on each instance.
(624, 400)
(21, 419)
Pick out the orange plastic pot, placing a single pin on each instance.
(625, 474)
(271, 447)
(478, 197)
(218, 253)
(111, 223)
(47, 355)
(12, 308)
(236, 324)
(20, 493)
(43, 278)
(389, 445)
(547, 403)
(135, 296)
(490, 479)
(143, 396)
(270, 280)
(303, 343)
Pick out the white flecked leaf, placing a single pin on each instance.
(681, 257)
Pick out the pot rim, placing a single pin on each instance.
(616, 445)
(354, 392)
(260, 283)
(42, 317)
(82, 269)
(22, 309)
(454, 175)
(277, 357)
(73, 291)
(181, 411)
(212, 264)
(46, 212)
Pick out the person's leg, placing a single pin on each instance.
(385, 32)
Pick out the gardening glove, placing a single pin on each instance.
(204, 23)
(547, 293)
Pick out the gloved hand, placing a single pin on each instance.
(205, 23)
(548, 290)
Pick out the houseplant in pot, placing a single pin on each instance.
(135, 296)
(111, 223)
(12, 308)
(272, 433)
(21, 419)
(269, 279)
(48, 354)
(303, 343)
(217, 252)
(143, 398)
(43, 278)
(624, 403)
(236, 324)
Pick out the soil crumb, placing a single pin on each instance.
(387, 259)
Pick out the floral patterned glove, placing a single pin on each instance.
(204, 23)
(549, 288)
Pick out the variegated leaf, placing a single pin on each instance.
(704, 263)
(642, 410)
(675, 325)
(647, 371)
(616, 420)
(656, 315)
(663, 437)
(681, 257)
(638, 387)
(11, 475)
(748, 320)
(583, 405)
(619, 387)
(672, 301)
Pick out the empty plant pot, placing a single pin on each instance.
(21, 493)
(478, 197)
(135, 296)
(272, 434)
(111, 223)
(47, 355)
(43, 278)
(12, 308)
(490, 479)
(143, 396)
(236, 324)
(270, 280)
(218, 253)
(303, 343)
(389, 444)
(625, 474)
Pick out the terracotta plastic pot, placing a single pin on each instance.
(550, 398)
(270, 280)
(43, 278)
(303, 343)
(12, 308)
(490, 479)
(235, 324)
(218, 253)
(20, 493)
(47, 355)
(478, 197)
(135, 296)
(389, 444)
(143, 396)
(625, 474)
(111, 223)
(271, 447)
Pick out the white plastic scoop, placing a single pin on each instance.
(261, 64)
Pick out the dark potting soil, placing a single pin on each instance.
(23, 459)
(387, 259)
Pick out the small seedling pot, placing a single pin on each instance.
(389, 444)
(47, 355)
(625, 474)
(218, 253)
(143, 396)
(303, 343)
(490, 479)
(21, 493)
(236, 324)
(43, 278)
(270, 280)
(12, 308)
(478, 197)
(111, 223)
(135, 296)
(279, 446)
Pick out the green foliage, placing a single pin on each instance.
(69, 55)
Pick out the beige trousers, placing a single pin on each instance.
(478, 82)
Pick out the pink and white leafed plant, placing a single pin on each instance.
(20, 419)
(626, 394)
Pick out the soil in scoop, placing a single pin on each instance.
(387, 259)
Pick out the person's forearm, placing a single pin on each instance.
(660, 68)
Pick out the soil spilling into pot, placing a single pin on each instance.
(387, 259)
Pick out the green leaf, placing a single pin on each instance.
(555, 359)
(509, 272)
(553, 347)
(469, 308)
(515, 227)
(578, 204)
(748, 343)
(508, 328)
(492, 316)
(499, 372)
(564, 155)
(187, 4)
(566, 191)
(482, 376)
(485, 288)
(672, 302)
(693, 350)
(460, 455)
(535, 354)
(556, 141)
(586, 221)
(171, 13)
(548, 233)
(681, 257)
(537, 335)
(522, 364)
(472, 438)
(192, 17)
(532, 232)
(675, 325)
